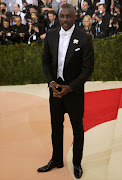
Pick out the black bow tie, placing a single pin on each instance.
(83, 11)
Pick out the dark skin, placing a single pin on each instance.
(67, 18)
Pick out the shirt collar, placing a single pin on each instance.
(18, 13)
(68, 32)
(100, 22)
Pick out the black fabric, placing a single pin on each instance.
(73, 104)
(78, 66)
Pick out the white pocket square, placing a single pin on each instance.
(77, 49)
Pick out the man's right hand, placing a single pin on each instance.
(54, 87)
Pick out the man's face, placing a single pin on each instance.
(85, 6)
(2, 7)
(63, 1)
(51, 17)
(16, 8)
(66, 18)
(18, 21)
(101, 8)
(5, 24)
(32, 10)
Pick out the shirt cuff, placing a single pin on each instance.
(50, 83)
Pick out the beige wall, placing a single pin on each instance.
(74, 2)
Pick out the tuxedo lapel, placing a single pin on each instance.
(56, 47)
(71, 47)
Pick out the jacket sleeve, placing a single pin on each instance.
(46, 61)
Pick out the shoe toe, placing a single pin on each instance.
(78, 172)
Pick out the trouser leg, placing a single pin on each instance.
(57, 119)
(75, 106)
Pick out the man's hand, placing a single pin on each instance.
(93, 16)
(116, 25)
(21, 35)
(36, 29)
(43, 36)
(1, 33)
(54, 87)
(97, 4)
(65, 90)
(3, 16)
(111, 21)
(81, 15)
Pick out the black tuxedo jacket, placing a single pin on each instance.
(103, 28)
(79, 60)
(55, 25)
(106, 18)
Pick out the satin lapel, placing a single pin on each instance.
(71, 47)
(56, 44)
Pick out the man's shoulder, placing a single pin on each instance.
(107, 15)
(53, 33)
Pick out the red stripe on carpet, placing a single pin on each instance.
(120, 106)
(101, 106)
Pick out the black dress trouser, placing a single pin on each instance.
(73, 104)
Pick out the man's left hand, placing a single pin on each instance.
(65, 90)
(21, 35)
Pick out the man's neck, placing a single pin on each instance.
(73, 26)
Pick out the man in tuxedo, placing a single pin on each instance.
(3, 12)
(68, 60)
(80, 4)
(19, 31)
(86, 8)
(99, 28)
(17, 12)
(52, 21)
(106, 16)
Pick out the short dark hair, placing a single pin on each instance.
(37, 8)
(18, 17)
(103, 4)
(68, 6)
(6, 20)
(87, 2)
(52, 12)
(34, 7)
(2, 3)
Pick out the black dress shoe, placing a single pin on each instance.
(52, 164)
(78, 171)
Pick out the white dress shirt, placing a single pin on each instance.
(98, 27)
(63, 46)
(51, 23)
